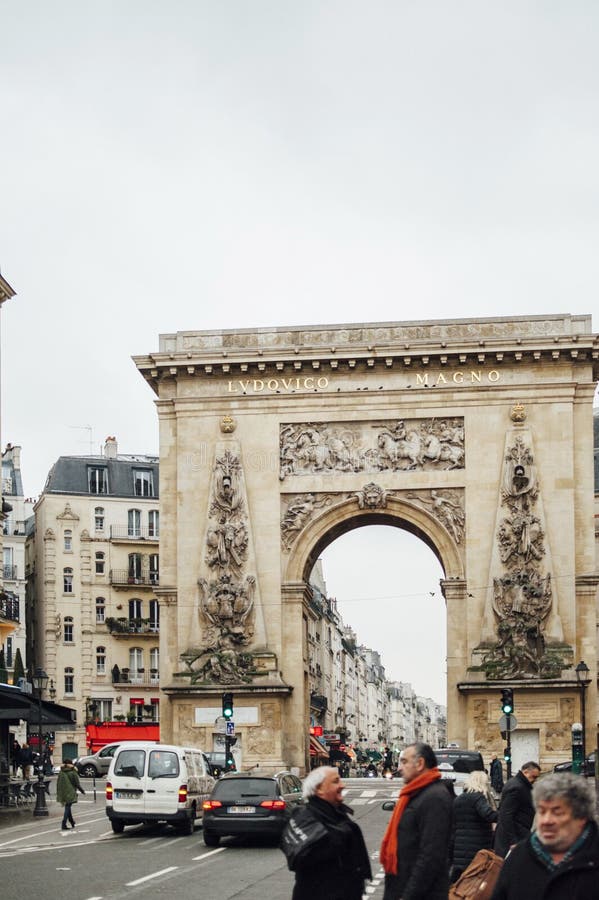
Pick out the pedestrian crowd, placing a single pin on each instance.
(541, 843)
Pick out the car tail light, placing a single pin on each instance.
(182, 793)
(108, 791)
(211, 804)
(273, 804)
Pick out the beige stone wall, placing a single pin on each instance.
(357, 377)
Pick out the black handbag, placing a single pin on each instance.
(299, 837)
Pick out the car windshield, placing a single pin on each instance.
(243, 788)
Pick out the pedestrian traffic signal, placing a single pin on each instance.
(228, 705)
(507, 701)
(507, 755)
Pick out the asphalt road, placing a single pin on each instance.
(37, 860)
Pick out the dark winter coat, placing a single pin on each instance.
(67, 785)
(25, 756)
(516, 814)
(423, 847)
(473, 831)
(524, 877)
(336, 867)
(496, 775)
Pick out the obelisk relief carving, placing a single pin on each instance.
(522, 631)
(229, 622)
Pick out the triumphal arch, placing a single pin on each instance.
(474, 435)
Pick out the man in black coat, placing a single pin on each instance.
(560, 860)
(336, 864)
(516, 812)
(416, 855)
(496, 774)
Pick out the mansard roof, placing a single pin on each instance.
(70, 475)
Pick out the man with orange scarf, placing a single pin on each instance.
(416, 847)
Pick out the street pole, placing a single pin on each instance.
(582, 675)
(40, 680)
(508, 765)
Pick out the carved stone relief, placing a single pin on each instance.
(393, 445)
(522, 595)
(447, 506)
(226, 606)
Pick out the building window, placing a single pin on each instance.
(68, 629)
(154, 665)
(143, 482)
(135, 615)
(99, 518)
(154, 566)
(154, 615)
(153, 523)
(134, 523)
(100, 660)
(134, 570)
(69, 680)
(97, 479)
(155, 702)
(136, 706)
(67, 580)
(100, 609)
(68, 541)
(103, 709)
(100, 562)
(136, 662)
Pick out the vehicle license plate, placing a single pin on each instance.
(128, 795)
(242, 809)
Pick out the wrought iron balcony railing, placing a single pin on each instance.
(129, 533)
(9, 607)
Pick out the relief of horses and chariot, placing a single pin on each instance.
(391, 445)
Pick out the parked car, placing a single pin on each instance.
(250, 804)
(567, 766)
(456, 764)
(149, 782)
(96, 764)
(217, 762)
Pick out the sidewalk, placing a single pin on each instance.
(20, 815)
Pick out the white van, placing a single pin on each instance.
(150, 782)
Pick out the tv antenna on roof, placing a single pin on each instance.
(91, 435)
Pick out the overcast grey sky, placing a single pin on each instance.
(234, 163)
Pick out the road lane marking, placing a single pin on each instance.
(368, 793)
(149, 877)
(210, 853)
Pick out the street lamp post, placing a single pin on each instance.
(40, 682)
(582, 676)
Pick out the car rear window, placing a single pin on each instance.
(163, 764)
(461, 762)
(241, 788)
(130, 762)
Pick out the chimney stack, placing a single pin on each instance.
(111, 448)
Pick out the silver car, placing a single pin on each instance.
(96, 764)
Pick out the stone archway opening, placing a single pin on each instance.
(386, 583)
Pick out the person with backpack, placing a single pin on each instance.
(474, 821)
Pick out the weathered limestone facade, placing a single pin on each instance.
(477, 436)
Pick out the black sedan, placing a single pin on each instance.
(250, 804)
(567, 766)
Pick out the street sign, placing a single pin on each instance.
(230, 728)
(503, 721)
(330, 737)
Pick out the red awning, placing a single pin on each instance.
(316, 748)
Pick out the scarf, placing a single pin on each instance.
(388, 854)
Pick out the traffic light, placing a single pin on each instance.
(228, 705)
(507, 755)
(507, 701)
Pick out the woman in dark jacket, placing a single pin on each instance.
(474, 818)
(337, 864)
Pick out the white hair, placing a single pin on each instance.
(314, 779)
